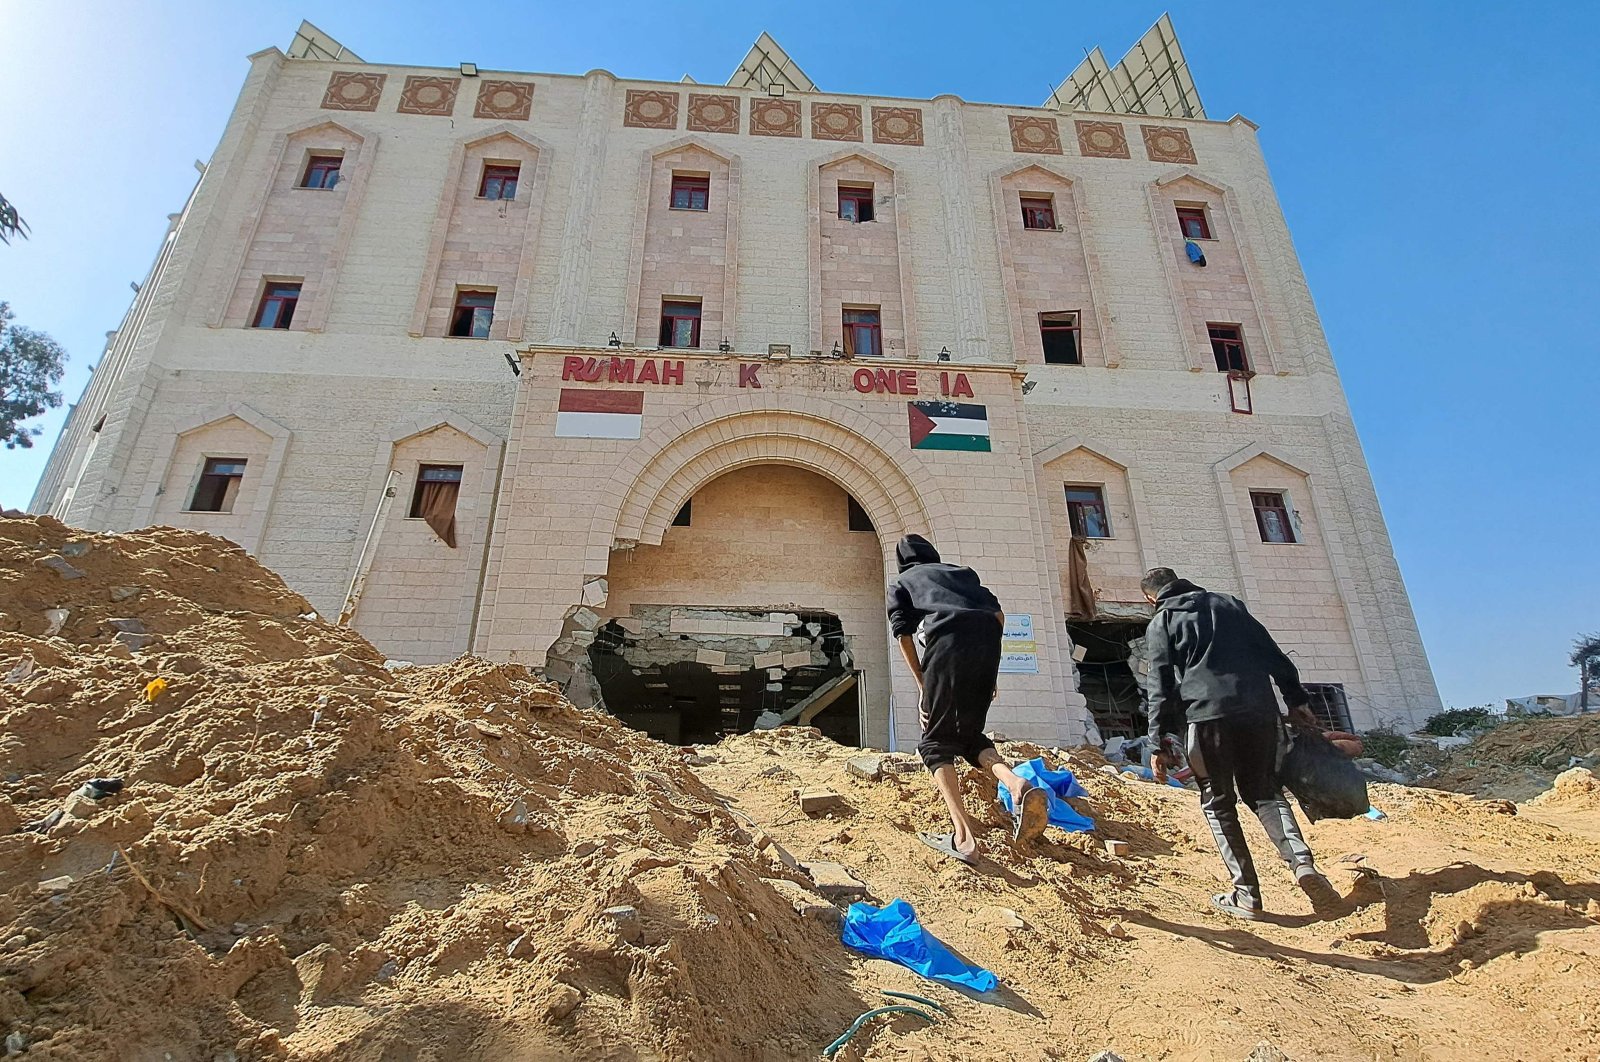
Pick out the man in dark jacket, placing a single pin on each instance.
(961, 622)
(1212, 666)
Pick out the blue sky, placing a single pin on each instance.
(1433, 160)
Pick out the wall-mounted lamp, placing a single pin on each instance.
(613, 341)
(469, 69)
(836, 352)
(724, 347)
(944, 353)
(1029, 385)
(516, 370)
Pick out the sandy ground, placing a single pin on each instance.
(317, 857)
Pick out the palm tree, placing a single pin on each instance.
(11, 223)
(1586, 658)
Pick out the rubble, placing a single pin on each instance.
(319, 854)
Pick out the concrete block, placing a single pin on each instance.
(594, 592)
(769, 660)
(710, 656)
(834, 881)
(797, 659)
(1116, 849)
(821, 800)
(866, 768)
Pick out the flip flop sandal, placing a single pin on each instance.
(945, 845)
(1032, 816)
(1228, 905)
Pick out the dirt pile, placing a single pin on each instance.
(1516, 760)
(315, 857)
(1574, 790)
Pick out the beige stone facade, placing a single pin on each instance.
(565, 544)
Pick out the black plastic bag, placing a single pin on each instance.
(1327, 783)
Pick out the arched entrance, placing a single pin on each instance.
(762, 602)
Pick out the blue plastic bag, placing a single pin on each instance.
(1059, 785)
(894, 933)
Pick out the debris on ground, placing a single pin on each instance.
(319, 854)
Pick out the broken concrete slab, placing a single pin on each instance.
(820, 801)
(834, 881)
(769, 660)
(710, 656)
(807, 904)
(625, 919)
(866, 768)
(1116, 849)
(59, 566)
(78, 547)
(594, 592)
(797, 659)
(130, 624)
(134, 642)
(584, 618)
(630, 624)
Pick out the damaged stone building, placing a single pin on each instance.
(641, 381)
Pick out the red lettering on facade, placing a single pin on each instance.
(672, 373)
(862, 380)
(885, 381)
(593, 369)
(621, 370)
(748, 377)
(963, 389)
(944, 383)
(572, 368)
(648, 374)
(908, 382)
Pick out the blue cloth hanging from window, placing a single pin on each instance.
(1196, 255)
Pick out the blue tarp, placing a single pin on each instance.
(894, 933)
(1059, 784)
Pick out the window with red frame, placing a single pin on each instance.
(1038, 213)
(1193, 223)
(278, 300)
(855, 203)
(473, 315)
(1272, 516)
(1086, 512)
(322, 171)
(1058, 332)
(690, 193)
(1227, 344)
(680, 324)
(499, 181)
(863, 332)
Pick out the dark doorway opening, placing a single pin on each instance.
(1107, 673)
(695, 688)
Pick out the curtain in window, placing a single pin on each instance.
(1080, 593)
(438, 508)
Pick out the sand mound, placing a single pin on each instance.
(1574, 790)
(315, 858)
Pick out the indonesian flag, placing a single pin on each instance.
(590, 413)
(949, 426)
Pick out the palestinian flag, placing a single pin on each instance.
(590, 413)
(949, 426)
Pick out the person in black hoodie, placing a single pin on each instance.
(1212, 666)
(960, 621)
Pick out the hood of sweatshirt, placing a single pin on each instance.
(1181, 596)
(914, 550)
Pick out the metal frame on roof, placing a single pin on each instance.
(311, 43)
(1153, 78)
(767, 64)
